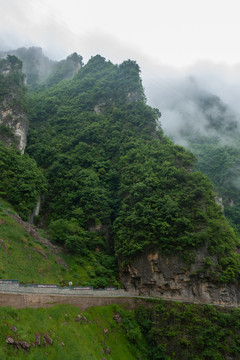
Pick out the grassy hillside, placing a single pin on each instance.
(164, 331)
(75, 335)
(28, 259)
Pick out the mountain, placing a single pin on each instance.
(113, 185)
(116, 184)
(38, 68)
(123, 206)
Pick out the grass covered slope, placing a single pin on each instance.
(163, 331)
(75, 335)
(24, 257)
(32, 260)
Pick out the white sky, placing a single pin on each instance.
(172, 32)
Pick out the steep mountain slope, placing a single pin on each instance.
(116, 184)
(30, 257)
(114, 189)
(23, 184)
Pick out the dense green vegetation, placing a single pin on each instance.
(113, 186)
(163, 331)
(21, 181)
(115, 182)
(176, 331)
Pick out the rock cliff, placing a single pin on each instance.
(153, 274)
(13, 120)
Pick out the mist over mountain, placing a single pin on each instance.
(203, 98)
(200, 110)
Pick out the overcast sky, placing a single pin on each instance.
(172, 32)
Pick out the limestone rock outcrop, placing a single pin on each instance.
(13, 119)
(169, 277)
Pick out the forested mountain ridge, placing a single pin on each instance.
(126, 208)
(115, 180)
(116, 187)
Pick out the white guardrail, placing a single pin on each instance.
(16, 287)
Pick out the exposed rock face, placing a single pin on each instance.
(18, 123)
(13, 120)
(169, 277)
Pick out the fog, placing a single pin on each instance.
(201, 99)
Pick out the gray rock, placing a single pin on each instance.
(24, 345)
(10, 340)
(153, 274)
(48, 339)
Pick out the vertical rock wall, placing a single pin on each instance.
(13, 120)
(153, 274)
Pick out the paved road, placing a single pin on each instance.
(43, 296)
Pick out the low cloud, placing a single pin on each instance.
(202, 99)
